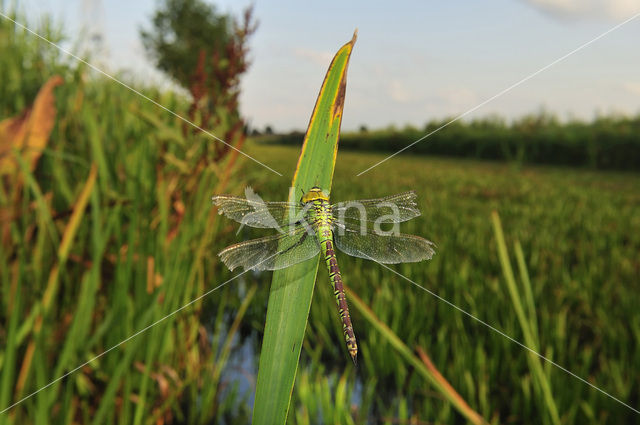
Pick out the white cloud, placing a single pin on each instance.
(616, 9)
(320, 58)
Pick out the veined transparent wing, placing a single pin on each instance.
(390, 209)
(272, 252)
(381, 247)
(257, 213)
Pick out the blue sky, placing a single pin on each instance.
(414, 61)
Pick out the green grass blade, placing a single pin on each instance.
(10, 351)
(528, 292)
(530, 340)
(292, 288)
(512, 287)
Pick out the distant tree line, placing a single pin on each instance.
(606, 143)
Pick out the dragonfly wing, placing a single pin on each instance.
(383, 248)
(390, 209)
(256, 213)
(272, 252)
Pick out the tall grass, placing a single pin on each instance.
(112, 232)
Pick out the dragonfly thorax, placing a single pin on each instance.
(314, 194)
(317, 212)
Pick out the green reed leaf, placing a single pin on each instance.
(292, 288)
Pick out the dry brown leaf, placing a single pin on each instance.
(29, 132)
(163, 384)
(151, 264)
(179, 209)
(154, 279)
(171, 373)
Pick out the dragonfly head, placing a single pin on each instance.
(314, 194)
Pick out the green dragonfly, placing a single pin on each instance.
(313, 226)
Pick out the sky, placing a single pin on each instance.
(413, 61)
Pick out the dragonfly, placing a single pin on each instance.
(315, 226)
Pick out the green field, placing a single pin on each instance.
(580, 235)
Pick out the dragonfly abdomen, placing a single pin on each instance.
(338, 291)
